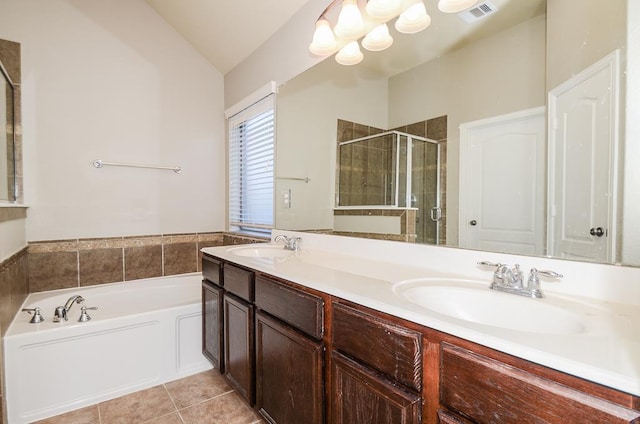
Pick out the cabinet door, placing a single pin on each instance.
(362, 396)
(289, 377)
(487, 391)
(212, 337)
(239, 346)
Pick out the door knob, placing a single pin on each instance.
(598, 232)
(473, 222)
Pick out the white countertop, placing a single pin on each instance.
(606, 351)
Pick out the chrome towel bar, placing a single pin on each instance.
(100, 163)
(305, 179)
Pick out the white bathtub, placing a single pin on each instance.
(144, 333)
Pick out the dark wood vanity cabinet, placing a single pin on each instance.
(289, 354)
(212, 328)
(239, 322)
(481, 389)
(376, 370)
(212, 311)
(300, 356)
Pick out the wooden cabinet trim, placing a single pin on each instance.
(212, 269)
(486, 390)
(297, 308)
(213, 324)
(387, 347)
(303, 399)
(239, 281)
(389, 398)
(240, 364)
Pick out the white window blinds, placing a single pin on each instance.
(251, 151)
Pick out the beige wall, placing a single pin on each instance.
(580, 36)
(96, 86)
(280, 58)
(496, 75)
(308, 111)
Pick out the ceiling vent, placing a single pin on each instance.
(480, 11)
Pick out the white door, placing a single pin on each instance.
(583, 122)
(502, 183)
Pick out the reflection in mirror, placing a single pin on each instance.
(7, 157)
(7, 136)
(503, 65)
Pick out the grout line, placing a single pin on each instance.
(206, 400)
(170, 397)
(99, 414)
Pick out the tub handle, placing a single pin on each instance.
(37, 317)
(84, 316)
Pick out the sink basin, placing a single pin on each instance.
(261, 251)
(472, 302)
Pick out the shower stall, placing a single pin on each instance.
(393, 174)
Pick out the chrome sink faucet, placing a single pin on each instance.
(290, 242)
(511, 280)
(60, 314)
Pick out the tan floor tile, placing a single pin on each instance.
(197, 388)
(167, 419)
(137, 407)
(225, 409)
(88, 415)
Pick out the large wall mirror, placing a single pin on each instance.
(511, 68)
(9, 92)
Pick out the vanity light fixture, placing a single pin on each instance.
(355, 21)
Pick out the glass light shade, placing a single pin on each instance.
(383, 9)
(350, 54)
(377, 39)
(414, 19)
(324, 42)
(350, 24)
(455, 6)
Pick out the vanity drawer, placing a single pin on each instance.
(238, 281)
(212, 270)
(388, 348)
(486, 390)
(301, 310)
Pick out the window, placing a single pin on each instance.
(251, 154)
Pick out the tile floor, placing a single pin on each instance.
(204, 398)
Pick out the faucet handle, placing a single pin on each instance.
(37, 317)
(533, 284)
(487, 263)
(84, 316)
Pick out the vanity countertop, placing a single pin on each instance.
(606, 350)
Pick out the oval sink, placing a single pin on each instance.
(468, 301)
(261, 251)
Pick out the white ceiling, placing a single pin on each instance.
(226, 31)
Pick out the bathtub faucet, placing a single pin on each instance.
(60, 315)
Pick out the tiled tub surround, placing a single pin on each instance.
(85, 262)
(144, 333)
(607, 351)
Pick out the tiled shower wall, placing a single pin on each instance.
(367, 168)
(434, 129)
